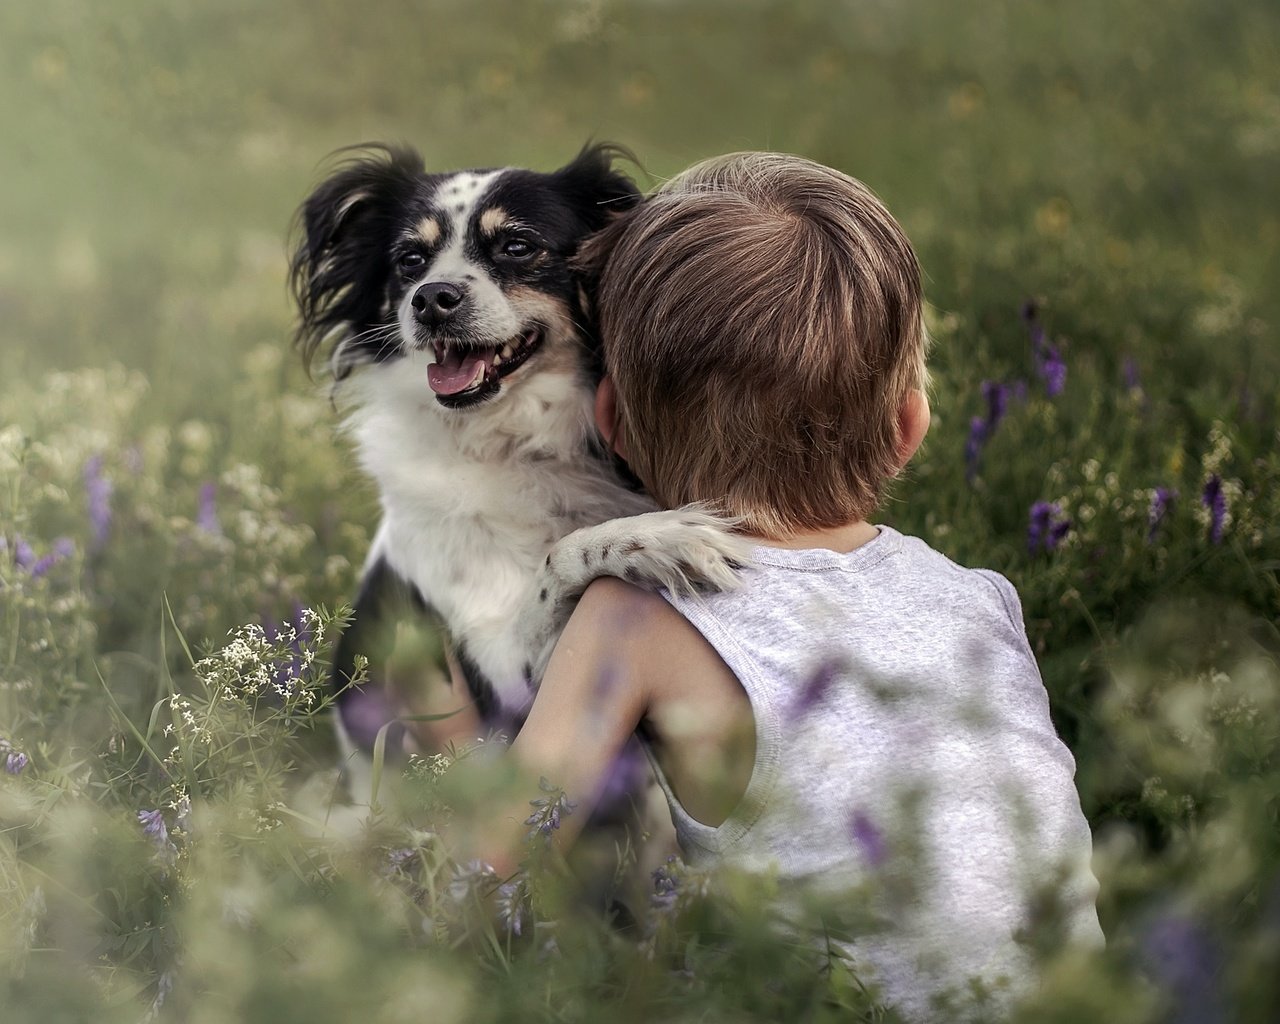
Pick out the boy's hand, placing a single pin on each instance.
(682, 550)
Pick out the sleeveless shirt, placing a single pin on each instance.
(904, 752)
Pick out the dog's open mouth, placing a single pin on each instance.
(462, 375)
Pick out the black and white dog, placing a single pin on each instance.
(456, 298)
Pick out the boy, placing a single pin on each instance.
(862, 712)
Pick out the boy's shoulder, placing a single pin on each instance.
(926, 565)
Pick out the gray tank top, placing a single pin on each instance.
(903, 749)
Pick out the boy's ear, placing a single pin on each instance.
(913, 424)
(607, 416)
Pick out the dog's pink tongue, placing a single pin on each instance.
(458, 372)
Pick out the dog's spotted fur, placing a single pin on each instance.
(482, 486)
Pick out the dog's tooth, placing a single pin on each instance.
(497, 359)
(506, 352)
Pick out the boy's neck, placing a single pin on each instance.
(837, 538)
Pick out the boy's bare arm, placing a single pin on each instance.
(593, 696)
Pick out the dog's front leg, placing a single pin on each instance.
(683, 550)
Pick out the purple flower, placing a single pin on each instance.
(23, 556)
(1132, 376)
(666, 887)
(207, 517)
(1047, 527)
(1184, 959)
(400, 862)
(471, 880)
(1215, 500)
(14, 760)
(548, 810)
(1050, 365)
(868, 839)
(98, 489)
(513, 900)
(152, 823)
(1053, 369)
(364, 711)
(63, 548)
(973, 446)
(996, 397)
(1162, 499)
(626, 777)
(153, 827)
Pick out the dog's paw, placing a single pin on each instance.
(685, 550)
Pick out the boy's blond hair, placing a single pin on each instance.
(762, 324)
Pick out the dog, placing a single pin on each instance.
(460, 336)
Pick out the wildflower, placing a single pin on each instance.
(626, 776)
(207, 516)
(163, 987)
(98, 489)
(23, 555)
(973, 446)
(1131, 374)
(15, 761)
(1162, 499)
(152, 823)
(996, 397)
(1050, 365)
(548, 809)
(400, 862)
(470, 877)
(183, 808)
(1182, 956)
(867, 838)
(1214, 499)
(1053, 369)
(1047, 528)
(63, 547)
(513, 905)
(666, 887)
(365, 711)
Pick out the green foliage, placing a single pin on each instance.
(167, 476)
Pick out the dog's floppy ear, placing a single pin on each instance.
(595, 250)
(341, 256)
(597, 188)
(608, 196)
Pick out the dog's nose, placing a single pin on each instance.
(435, 302)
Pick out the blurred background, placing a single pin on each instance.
(1094, 193)
(154, 153)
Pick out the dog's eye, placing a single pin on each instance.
(411, 261)
(518, 248)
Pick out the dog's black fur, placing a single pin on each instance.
(381, 243)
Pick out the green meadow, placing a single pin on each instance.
(1092, 190)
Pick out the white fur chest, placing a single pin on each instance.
(472, 501)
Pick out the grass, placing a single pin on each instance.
(162, 450)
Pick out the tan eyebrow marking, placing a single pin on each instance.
(429, 230)
(492, 219)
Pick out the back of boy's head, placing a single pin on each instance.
(761, 315)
